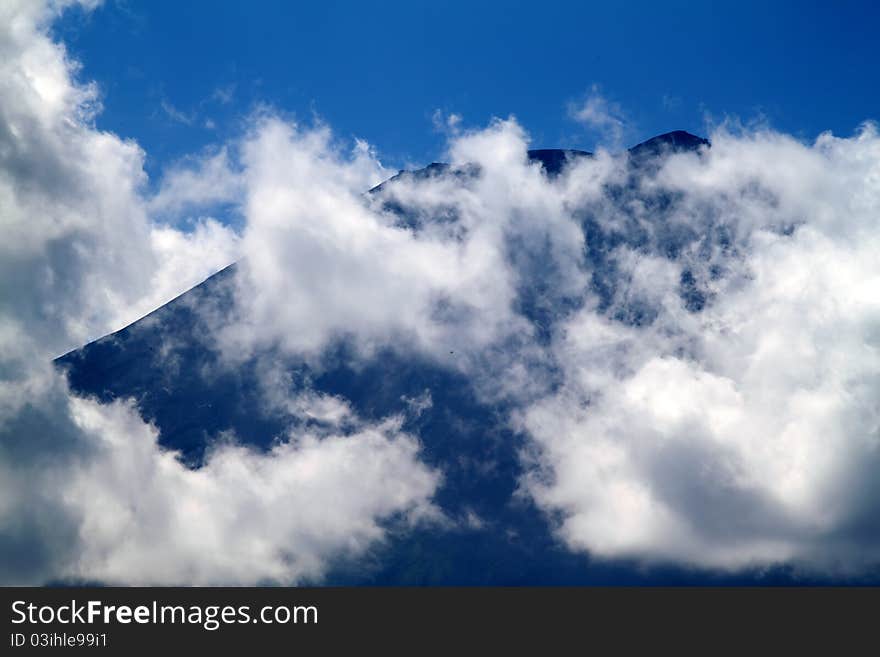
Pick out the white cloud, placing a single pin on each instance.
(85, 491)
(319, 258)
(748, 433)
(198, 183)
(448, 123)
(601, 115)
(78, 251)
(325, 262)
(245, 516)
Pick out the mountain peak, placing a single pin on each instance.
(554, 159)
(675, 141)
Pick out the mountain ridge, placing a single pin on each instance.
(553, 160)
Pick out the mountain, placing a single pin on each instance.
(461, 434)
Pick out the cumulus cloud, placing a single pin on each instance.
(320, 259)
(86, 493)
(746, 433)
(77, 253)
(281, 516)
(89, 496)
(326, 262)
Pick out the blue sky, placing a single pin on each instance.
(179, 76)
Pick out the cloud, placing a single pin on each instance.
(176, 115)
(86, 493)
(447, 123)
(747, 433)
(342, 267)
(224, 94)
(325, 262)
(280, 516)
(198, 183)
(89, 496)
(601, 115)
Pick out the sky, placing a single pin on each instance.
(680, 355)
(179, 76)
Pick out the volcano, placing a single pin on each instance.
(160, 361)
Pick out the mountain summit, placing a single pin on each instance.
(554, 160)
